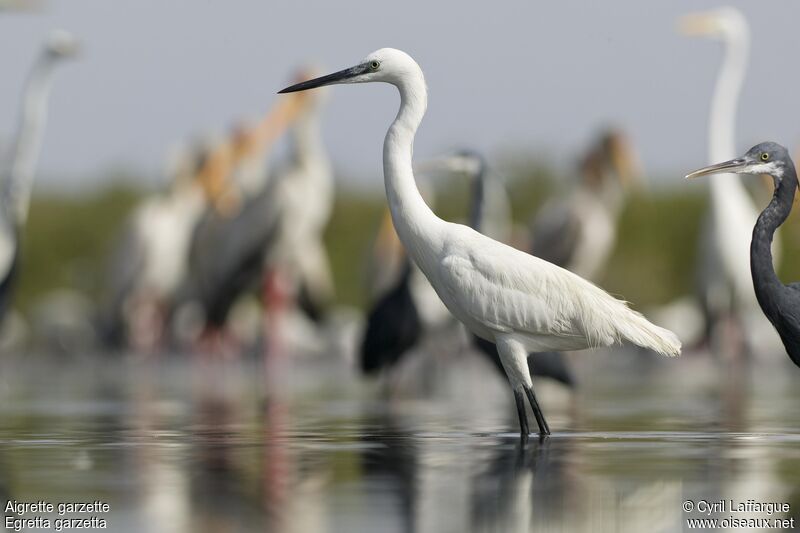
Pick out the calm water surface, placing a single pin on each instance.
(189, 444)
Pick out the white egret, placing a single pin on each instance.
(19, 172)
(724, 282)
(400, 318)
(520, 302)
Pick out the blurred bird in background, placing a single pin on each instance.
(274, 239)
(734, 324)
(579, 232)
(19, 168)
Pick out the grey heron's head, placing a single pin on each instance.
(764, 158)
(723, 23)
(385, 65)
(61, 44)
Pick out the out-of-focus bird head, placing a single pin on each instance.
(214, 175)
(612, 159)
(62, 44)
(722, 23)
(308, 100)
(182, 164)
(243, 138)
(464, 161)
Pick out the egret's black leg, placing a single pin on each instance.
(524, 430)
(544, 429)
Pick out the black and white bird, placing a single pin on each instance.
(276, 230)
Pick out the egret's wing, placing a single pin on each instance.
(510, 291)
(556, 232)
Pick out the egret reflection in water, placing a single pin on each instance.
(205, 445)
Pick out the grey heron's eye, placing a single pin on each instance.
(765, 156)
(374, 65)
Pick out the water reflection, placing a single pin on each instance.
(203, 445)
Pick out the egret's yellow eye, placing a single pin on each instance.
(374, 65)
(765, 156)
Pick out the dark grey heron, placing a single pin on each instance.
(779, 302)
(18, 173)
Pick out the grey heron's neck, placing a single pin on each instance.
(412, 218)
(27, 143)
(764, 276)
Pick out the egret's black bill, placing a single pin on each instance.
(728, 166)
(336, 77)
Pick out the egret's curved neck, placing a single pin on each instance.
(413, 219)
(722, 143)
(27, 144)
(764, 277)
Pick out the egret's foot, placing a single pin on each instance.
(524, 430)
(544, 429)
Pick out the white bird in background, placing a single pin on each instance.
(149, 261)
(724, 282)
(304, 194)
(19, 171)
(520, 302)
(579, 232)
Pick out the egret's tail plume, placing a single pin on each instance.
(638, 330)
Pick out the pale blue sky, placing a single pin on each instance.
(525, 76)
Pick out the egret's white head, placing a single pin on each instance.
(764, 158)
(722, 23)
(62, 44)
(385, 65)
